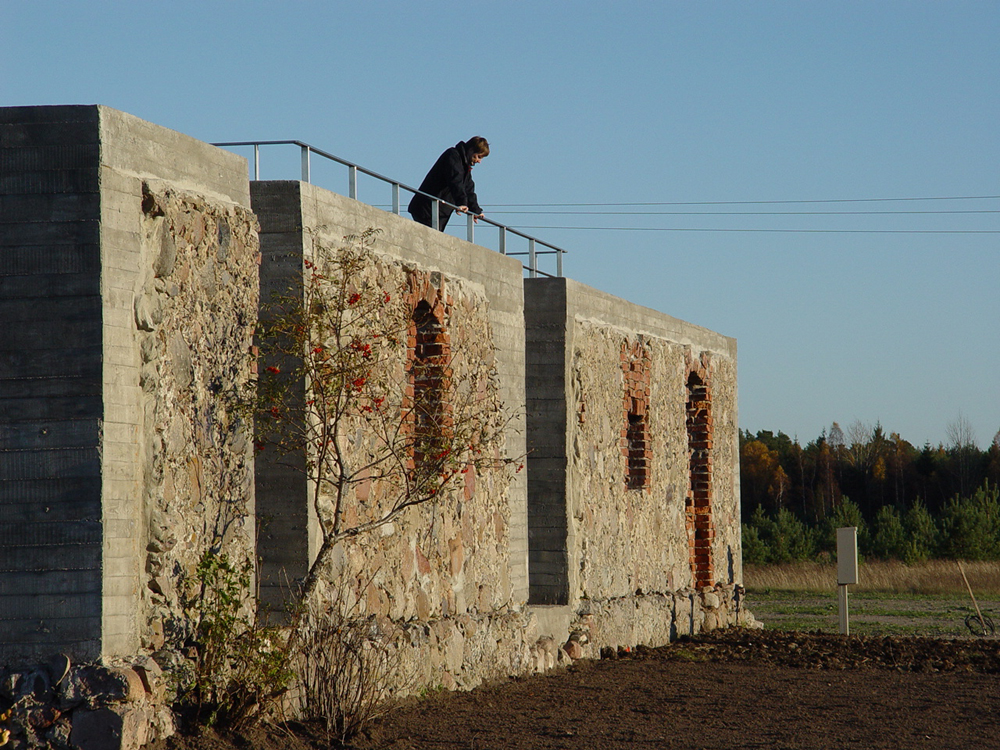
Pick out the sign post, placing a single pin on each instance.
(847, 570)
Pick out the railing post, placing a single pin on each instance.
(559, 255)
(395, 198)
(503, 240)
(532, 262)
(305, 163)
(256, 161)
(470, 222)
(434, 213)
(352, 182)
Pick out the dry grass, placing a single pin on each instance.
(934, 577)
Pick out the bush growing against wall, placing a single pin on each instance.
(347, 671)
(242, 666)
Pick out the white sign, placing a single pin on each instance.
(847, 555)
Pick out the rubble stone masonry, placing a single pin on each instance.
(633, 481)
(446, 582)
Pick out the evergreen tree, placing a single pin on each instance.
(888, 541)
(970, 527)
(844, 514)
(921, 534)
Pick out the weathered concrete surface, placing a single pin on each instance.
(51, 381)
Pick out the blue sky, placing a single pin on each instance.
(747, 111)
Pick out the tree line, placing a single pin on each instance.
(909, 503)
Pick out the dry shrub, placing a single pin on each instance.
(349, 671)
(932, 577)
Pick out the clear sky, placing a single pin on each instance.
(721, 120)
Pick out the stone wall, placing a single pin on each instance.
(110, 312)
(613, 521)
(446, 582)
(194, 320)
(129, 291)
(643, 529)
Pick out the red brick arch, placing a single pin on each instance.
(426, 405)
(698, 502)
(635, 443)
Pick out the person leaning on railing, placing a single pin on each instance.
(450, 179)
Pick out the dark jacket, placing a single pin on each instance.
(450, 179)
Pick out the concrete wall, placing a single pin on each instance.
(78, 295)
(604, 549)
(50, 380)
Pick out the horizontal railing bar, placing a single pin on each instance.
(325, 155)
(554, 249)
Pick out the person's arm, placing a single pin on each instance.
(470, 194)
(455, 177)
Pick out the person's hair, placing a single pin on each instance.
(478, 145)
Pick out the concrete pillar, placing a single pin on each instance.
(72, 523)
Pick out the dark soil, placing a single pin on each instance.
(734, 689)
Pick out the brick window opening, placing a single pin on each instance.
(429, 377)
(637, 444)
(636, 447)
(698, 505)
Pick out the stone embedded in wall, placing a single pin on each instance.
(442, 559)
(629, 537)
(636, 545)
(649, 534)
(642, 505)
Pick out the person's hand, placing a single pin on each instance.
(463, 209)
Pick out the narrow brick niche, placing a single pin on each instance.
(429, 353)
(635, 435)
(698, 505)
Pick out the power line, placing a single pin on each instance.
(757, 203)
(531, 210)
(782, 231)
(746, 213)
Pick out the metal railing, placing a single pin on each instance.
(503, 230)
